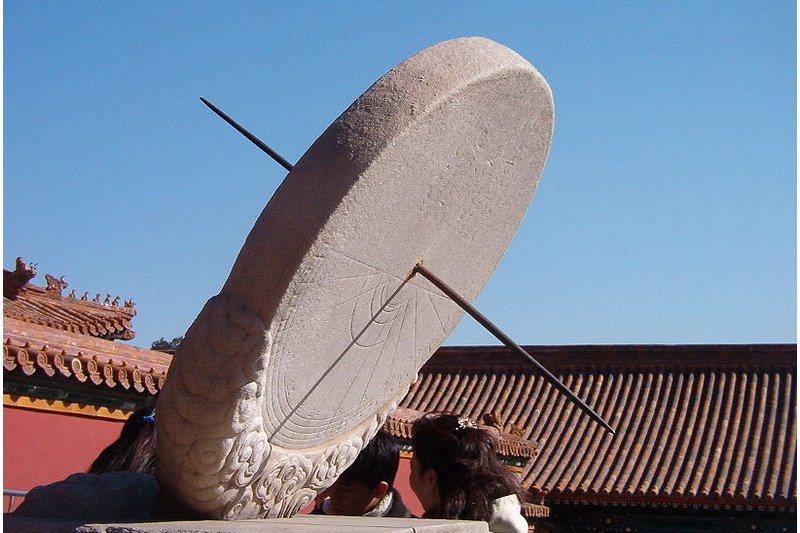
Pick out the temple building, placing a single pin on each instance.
(705, 436)
(67, 385)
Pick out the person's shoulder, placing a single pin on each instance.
(398, 508)
(507, 516)
(112, 495)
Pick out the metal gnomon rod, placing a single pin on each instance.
(252, 138)
(442, 286)
(472, 311)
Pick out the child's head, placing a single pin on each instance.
(134, 450)
(455, 470)
(359, 489)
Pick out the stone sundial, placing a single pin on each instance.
(324, 320)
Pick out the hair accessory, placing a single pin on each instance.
(464, 422)
(149, 418)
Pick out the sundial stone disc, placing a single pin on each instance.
(320, 328)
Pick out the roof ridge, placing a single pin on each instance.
(615, 356)
(47, 306)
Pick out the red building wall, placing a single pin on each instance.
(40, 447)
(404, 488)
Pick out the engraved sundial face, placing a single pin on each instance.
(353, 330)
(320, 328)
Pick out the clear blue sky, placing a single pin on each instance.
(666, 212)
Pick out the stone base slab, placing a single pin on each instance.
(297, 524)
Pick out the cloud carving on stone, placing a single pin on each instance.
(216, 430)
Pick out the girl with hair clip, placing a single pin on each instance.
(456, 474)
(120, 484)
(134, 449)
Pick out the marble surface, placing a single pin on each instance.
(297, 524)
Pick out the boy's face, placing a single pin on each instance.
(353, 498)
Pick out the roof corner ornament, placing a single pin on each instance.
(14, 281)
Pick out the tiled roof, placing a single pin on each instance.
(696, 424)
(97, 317)
(31, 349)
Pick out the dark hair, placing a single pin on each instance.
(377, 462)
(134, 449)
(469, 474)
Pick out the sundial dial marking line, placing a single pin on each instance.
(436, 313)
(374, 271)
(328, 280)
(296, 324)
(282, 331)
(384, 343)
(416, 324)
(430, 276)
(355, 342)
(400, 334)
(336, 362)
